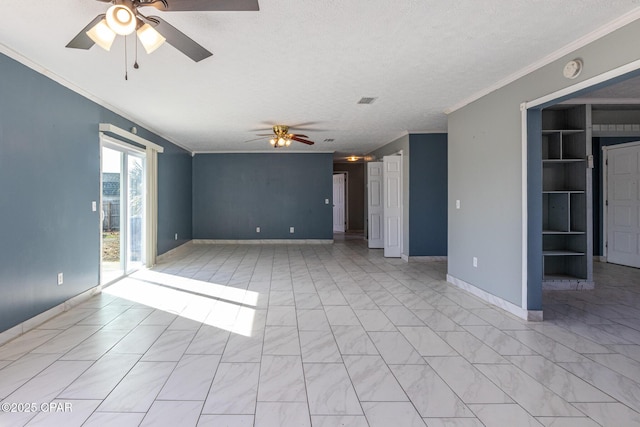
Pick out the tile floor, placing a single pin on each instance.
(326, 335)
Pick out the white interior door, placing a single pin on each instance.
(392, 190)
(375, 205)
(623, 210)
(338, 203)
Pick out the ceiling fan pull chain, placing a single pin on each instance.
(135, 63)
(126, 76)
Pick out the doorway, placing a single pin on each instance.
(339, 202)
(123, 202)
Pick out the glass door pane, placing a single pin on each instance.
(112, 191)
(136, 211)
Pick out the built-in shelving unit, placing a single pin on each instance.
(566, 198)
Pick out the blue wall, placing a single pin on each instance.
(235, 193)
(428, 194)
(49, 170)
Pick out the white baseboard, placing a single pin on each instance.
(39, 319)
(530, 315)
(172, 252)
(427, 258)
(264, 242)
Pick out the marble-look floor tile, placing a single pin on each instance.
(144, 381)
(169, 347)
(234, 389)
(526, 391)
(471, 385)
(277, 414)
(631, 351)
(341, 315)
(120, 419)
(242, 349)
(171, 413)
(614, 384)
(281, 298)
(461, 316)
(281, 340)
(94, 347)
(139, 339)
(208, 340)
(339, 421)
(471, 348)
(159, 317)
(375, 320)
(65, 412)
(330, 390)
(569, 339)
(504, 415)
(22, 370)
(68, 339)
(431, 396)
(226, 421)
(308, 301)
(353, 340)
(542, 344)
(360, 301)
(102, 377)
(372, 379)
(331, 297)
(281, 379)
(436, 320)
(567, 422)
(619, 363)
(281, 316)
(610, 414)
(401, 316)
(319, 347)
(395, 349)
(563, 383)
(27, 342)
(453, 422)
(499, 341)
(499, 319)
(385, 414)
(313, 320)
(68, 318)
(426, 342)
(129, 319)
(191, 379)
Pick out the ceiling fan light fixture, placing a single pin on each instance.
(287, 142)
(150, 38)
(121, 19)
(102, 35)
(281, 142)
(272, 141)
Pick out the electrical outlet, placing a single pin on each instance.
(326, 201)
(257, 229)
(175, 237)
(94, 206)
(292, 230)
(475, 262)
(60, 279)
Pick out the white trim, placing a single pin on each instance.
(427, 258)
(530, 315)
(39, 319)
(600, 78)
(404, 257)
(263, 242)
(525, 206)
(108, 127)
(5, 50)
(605, 182)
(601, 101)
(272, 151)
(608, 28)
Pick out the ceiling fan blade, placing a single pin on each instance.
(256, 139)
(179, 40)
(304, 141)
(82, 40)
(204, 5)
(299, 135)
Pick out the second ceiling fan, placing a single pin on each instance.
(124, 17)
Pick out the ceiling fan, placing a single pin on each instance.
(124, 17)
(282, 138)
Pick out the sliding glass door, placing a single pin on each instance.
(123, 210)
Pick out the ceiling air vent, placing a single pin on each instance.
(365, 100)
(329, 140)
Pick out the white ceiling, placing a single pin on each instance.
(300, 61)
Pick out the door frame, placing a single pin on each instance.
(385, 192)
(605, 197)
(345, 197)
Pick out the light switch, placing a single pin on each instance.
(94, 206)
(457, 204)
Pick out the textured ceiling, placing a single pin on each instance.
(306, 61)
